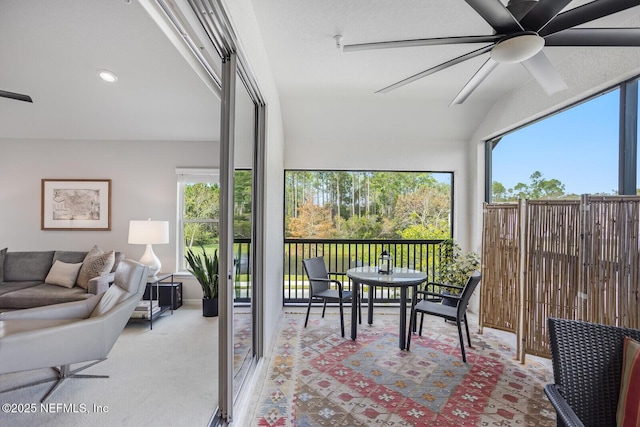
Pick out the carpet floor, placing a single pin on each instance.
(167, 376)
(315, 377)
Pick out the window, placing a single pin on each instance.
(565, 155)
(368, 205)
(198, 211)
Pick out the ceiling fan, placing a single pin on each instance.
(522, 29)
(17, 96)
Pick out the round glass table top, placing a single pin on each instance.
(399, 277)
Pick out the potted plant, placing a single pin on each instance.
(205, 269)
(455, 268)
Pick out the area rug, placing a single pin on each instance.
(318, 378)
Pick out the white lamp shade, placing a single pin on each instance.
(148, 232)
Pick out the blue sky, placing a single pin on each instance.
(578, 146)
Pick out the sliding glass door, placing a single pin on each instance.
(202, 32)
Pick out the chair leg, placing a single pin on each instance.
(466, 325)
(421, 321)
(308, 310)
(324, 307)
(62, 373)
(360, 309)
(341, 318)
(412, 318)
(464, 356)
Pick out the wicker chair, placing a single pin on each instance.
(587, 365)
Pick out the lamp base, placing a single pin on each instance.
(151, 260)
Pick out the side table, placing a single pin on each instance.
(154, 282)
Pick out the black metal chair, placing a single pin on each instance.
(587, 366)
(433, 304)
(319, 287)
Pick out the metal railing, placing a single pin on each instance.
(343, 254)
(243, 278)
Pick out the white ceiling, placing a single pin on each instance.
(52, 50)
(298, 35)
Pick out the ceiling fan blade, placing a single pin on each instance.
(475, 81)
(543, 71)
(13, 95)
(609, 37)
(422, 42)
(497, 15)
(543, 12)
(519, 8)
(586, 13)
(436, 69)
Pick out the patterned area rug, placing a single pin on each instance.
(318, 378)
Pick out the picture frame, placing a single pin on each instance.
(76, 204)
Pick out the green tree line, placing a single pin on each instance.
(366, 205)
(538, 188)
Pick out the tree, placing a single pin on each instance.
(426, 210)
(498, 192)
(312, 221)
(537, 189)
(201, 202)
(361, 227)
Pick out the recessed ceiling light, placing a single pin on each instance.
(107, 76)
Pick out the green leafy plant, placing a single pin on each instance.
(205, 269)
(456, 265)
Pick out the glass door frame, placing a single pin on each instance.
(235, 65)
(178, 19)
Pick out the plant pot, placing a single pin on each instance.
(210, 307)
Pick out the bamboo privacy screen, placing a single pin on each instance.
(501, 268)
(611, 281)
(577, 260)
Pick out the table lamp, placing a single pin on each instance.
(149, 233)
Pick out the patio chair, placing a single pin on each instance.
(319, 288)
(587, 368)
(433, 304)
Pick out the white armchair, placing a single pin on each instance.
(59, 335)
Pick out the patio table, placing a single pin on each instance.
(402, 278)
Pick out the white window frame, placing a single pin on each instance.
(190, 176)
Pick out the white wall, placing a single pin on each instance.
(321, 137)
(143, 186)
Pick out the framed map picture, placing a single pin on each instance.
(76, 204)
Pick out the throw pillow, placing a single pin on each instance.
(63, 274)
(629, 402)
(95, 264)
(3, 252)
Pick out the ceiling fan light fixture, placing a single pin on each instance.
(517, 48)
(107, 76)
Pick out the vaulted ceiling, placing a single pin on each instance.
(52, 51)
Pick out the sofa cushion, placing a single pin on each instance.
(3, 252)
(42, 294)
(79, 256)
(63, 274)
(27, 266)
(96, 263)
(7, 287)
(72, 257)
